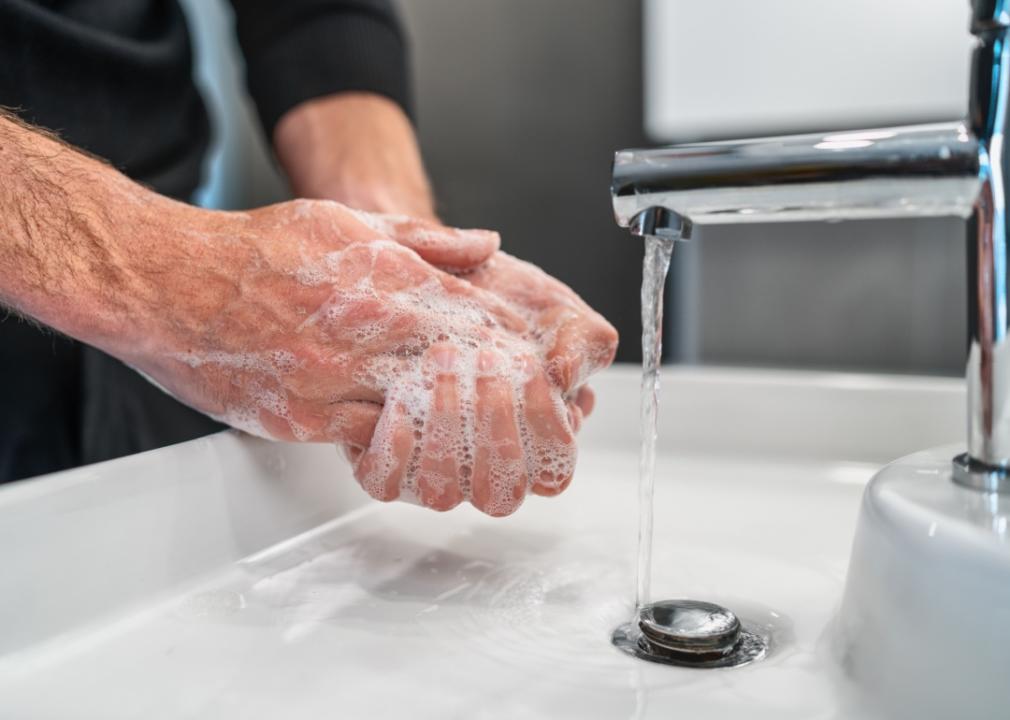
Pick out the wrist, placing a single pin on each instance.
(96, 256)
(179, 268)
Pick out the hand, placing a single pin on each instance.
(358, 149)
(564, 342)
(574, 340)
(310, 321)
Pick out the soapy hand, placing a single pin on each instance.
(574, 340)
(325, 324)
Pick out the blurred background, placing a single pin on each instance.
(520, 105)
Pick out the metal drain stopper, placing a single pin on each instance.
(690, 633)
(690, 626)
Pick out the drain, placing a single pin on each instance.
(690, 633)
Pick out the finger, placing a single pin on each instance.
(550, 442)
(574, 416)
(352, 423)
(585, 398)
(348, 422)
(276, 426)
(584, 344)
(341, 375)
(385, 465)
(441, 468)
(451, 248)
(499, 311)
(454, 249)
(275, 414)
(352, 453)
(579, 341)
(499, 473)
(396, 268)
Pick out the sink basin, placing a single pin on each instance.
(231, 577)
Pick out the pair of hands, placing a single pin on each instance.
(448, 370)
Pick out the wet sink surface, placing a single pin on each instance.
(396, 611)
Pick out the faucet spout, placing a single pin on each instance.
(921, 170)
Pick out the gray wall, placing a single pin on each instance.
(521, 104)
(882, 296)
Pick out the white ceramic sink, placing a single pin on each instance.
(924, 626)
(234, 578)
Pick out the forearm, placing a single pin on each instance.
(357, 148)
(71, 232)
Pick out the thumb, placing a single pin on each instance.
(449, 248)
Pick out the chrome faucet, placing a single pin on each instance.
(952, 169)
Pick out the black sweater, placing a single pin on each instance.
(115, 76)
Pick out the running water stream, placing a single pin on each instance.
(658, 252)
(682, 632)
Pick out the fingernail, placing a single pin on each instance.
(529, 367)
(444, 358)
(487, 361)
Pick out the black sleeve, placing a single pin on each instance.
(296, 50)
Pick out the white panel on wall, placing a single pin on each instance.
(747, 67)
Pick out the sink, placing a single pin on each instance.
(232, 577)
(925, 623)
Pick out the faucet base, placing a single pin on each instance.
(969, 472)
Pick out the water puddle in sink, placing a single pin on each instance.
(523, 600)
